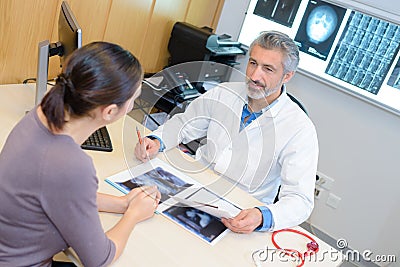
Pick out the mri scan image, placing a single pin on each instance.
(321, 23)
(365, 52)
(280, 11)
(318, 28)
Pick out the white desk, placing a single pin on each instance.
(158, 241)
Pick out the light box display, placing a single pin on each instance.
(346, 48)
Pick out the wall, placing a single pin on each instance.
(141, 26)
(231, 24)
(360, 150)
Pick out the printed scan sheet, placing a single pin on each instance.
(183, 200)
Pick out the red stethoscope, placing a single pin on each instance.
(312, 247)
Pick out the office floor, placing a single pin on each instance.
(140, 111)
(137, 114)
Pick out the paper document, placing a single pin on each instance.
(180, 198)
(215, 209)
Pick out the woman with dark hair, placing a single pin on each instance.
(48, 185)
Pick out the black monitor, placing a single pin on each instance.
(70, 38)
(69, 32)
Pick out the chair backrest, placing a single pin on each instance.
(295, 100)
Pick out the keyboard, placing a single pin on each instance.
(99, 140)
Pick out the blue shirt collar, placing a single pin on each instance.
(246, 105)
(254, 115)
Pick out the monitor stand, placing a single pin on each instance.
(42, 70)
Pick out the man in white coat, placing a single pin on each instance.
(256, 136)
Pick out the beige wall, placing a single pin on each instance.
(141, 26)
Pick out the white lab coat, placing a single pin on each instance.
(279, 147)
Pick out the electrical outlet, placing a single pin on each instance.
(324, 181)
(333, 200)
(317, 192)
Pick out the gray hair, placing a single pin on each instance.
(277, 40)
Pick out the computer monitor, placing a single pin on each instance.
(69, 32)
(70, 38)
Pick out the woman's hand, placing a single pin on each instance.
(120, 204)
(143, 201)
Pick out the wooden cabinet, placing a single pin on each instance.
(23, 24)
(141, 26)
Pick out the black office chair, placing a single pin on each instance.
(295, 100)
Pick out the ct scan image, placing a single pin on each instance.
(318, 28)
(394, 79)
(365, 52)
(200, 223)
(167, 183)
(280, 11)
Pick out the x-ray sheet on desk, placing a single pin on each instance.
(183, 200)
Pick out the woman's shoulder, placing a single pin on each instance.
(66, 159)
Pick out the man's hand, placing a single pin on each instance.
(147, 149)
(245, 222)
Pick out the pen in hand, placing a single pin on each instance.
(141, 142)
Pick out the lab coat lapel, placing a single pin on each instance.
(232, 123)
(252, 150)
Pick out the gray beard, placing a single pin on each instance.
(260, 94)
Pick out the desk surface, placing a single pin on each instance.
(158, 241)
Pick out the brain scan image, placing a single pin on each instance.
(318, 28)
(321, 24)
